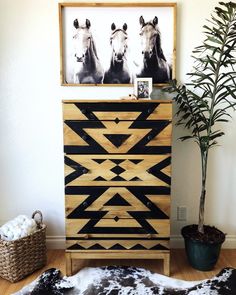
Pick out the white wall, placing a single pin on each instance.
(31, 149)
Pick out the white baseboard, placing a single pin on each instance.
(55, 242)
(176, 241)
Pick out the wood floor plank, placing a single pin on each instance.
(179, 267)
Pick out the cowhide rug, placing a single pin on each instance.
(127, 281)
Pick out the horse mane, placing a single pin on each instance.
(158, 48)
(93, 47)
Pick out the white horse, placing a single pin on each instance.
(87, 67)
(154, 61)
(118, 71)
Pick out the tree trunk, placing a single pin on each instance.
(201, 212)
(204, 156)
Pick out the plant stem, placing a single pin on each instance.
(204, 146)
(203, 192)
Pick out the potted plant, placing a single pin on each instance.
(203, 105)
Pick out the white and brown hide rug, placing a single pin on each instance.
(114, 280)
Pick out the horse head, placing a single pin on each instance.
(118, 42)
(150, 38)
(82, 40)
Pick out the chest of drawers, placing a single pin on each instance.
(117, 180)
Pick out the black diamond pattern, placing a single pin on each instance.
(117, 170)
(117, 161)
(116, 218)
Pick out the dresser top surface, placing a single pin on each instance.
(115, 101)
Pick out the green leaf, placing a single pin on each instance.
(183, 138)
(216, 135)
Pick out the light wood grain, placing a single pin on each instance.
(137, 254)
(162, 112)
(123, 127)
(72, 138)
(162, 226)
(71, 112)
(163, 138)
(81, 100)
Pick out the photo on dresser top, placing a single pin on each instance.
(143, 88)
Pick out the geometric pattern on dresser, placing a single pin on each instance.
(143, 209)
(117, 179)
(117, 111)
(141, 170)
(158, 244)
(107, 137)
(109, 227)
(117, 202)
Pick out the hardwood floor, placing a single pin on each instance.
(179, 267)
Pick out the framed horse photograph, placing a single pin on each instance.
(106, 44)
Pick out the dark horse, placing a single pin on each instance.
(118, 72)
(154, 61)
(87, 67)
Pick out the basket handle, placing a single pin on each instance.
(40, 221)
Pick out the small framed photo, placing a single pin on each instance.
(143, 88)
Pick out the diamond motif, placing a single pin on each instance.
(116, 218)
(117, 170)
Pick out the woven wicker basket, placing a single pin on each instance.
(21, 257)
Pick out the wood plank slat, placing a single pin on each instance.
(111, 244)
(111, 228)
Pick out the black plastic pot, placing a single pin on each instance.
(202, 255)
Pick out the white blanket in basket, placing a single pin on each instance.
(19, 227)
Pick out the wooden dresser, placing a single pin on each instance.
(117, 180)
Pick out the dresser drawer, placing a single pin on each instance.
(118, 203)
(117, 212)
(122, 170)
(121, 228)
(108, 137)
(117, 111)
(117, 244)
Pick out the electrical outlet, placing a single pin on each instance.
(181, 213)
